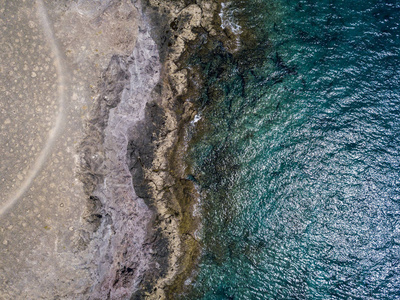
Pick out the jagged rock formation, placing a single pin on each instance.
(155, 267)
(119, 245)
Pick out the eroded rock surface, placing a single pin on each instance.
(119, 245)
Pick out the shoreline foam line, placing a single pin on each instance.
(60, 118)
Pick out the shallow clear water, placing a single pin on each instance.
(300, 169)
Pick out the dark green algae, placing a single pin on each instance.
(208, 61)
(216, 64)
(184, 192)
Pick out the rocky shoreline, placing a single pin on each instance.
(140, 196)
(97, 200)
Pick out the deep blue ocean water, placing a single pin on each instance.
(299, 167)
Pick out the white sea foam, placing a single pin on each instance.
(195, 119)
(228, 19)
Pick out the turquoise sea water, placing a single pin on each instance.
(299, 170)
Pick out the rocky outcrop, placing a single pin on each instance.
(140, 194)
(178, 23)
(139, 198)
(120, 245)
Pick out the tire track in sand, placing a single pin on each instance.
(60, 117)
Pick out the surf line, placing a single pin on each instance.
(60, 117)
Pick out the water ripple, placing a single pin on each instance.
(301, 169)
